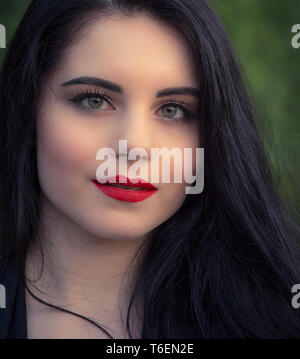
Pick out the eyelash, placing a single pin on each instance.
(189, 115)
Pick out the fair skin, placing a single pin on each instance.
(88, 238)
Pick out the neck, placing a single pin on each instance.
(81, 272)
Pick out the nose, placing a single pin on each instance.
(135, 126)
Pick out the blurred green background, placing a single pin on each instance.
(261, 35)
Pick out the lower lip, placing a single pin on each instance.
(125, 195)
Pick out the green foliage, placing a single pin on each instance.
(261, 35)
(11, 13)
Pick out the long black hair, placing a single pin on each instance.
(224, 264)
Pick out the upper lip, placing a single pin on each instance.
(140, 183)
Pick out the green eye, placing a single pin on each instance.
(90, 101)
(93, 102)
(173, 108)
(168, 112)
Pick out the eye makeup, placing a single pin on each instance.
(86, 100)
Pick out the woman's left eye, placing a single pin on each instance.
(172, 109)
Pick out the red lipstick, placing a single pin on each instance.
(126, 191)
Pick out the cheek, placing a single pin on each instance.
(64, 148)
(192, 155)
(183, 166)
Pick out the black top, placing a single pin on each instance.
(13, 323)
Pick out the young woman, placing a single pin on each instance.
(79, 262)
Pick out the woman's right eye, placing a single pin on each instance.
(90, 102)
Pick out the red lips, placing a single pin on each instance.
(140, 183)
(123, 194)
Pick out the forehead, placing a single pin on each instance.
(131, 50)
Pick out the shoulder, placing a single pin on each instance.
(9, 281)
(4, 268)
(8, 270)
(11, 300)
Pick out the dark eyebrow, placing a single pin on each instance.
(96, 82)
(117, 88)
(178, 91)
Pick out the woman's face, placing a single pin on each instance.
(142, 57)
